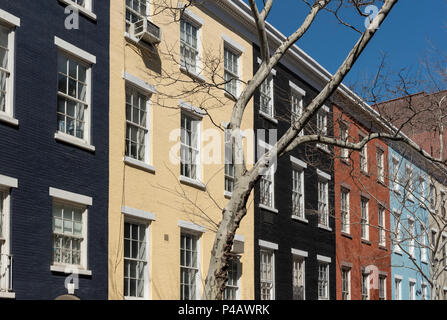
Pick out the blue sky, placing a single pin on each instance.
(411, 30)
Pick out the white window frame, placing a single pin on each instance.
(230, 46)
(229, 163)
(395, 174)
(411, 237)
(380, 155)
(363, 154)
(197, 281)
(384, 279)
(196, 124)
(424, 291)
(271, 252)
(296, 103)
(323, 179)
(412, 289)
(11, 22)
(345, 210)
(366, 294)
(271, 173)
(344, 135)
(197, 23)
(364, 220)
(135, 220)
(322, 119)
(237, 287)
(323, 262)
(270, 113)
(299, 255)
(382, 226)
(137, 13)
(423, 243)
(86, 9)
(298, 168)
(397, 287)
(398, 231)
(346, 295)
(432, 196)
(409, 183)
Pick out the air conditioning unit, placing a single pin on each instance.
(144, 30)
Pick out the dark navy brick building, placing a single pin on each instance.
(294, 237)
(54, 102)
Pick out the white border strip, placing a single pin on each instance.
(8, 181)
(397, 276)
(9, 18)
(239, 238)
(324, 259)
(136, 213)
(323, 175)
(259, 60)
(190, 108)
(139, 83)
(238, 47)
(70, 196)
(81, 54)
(300, 253)
(268, 245)
(297, 89)
(191, 226)
(191, 15)
(298, 162)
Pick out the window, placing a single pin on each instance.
(136, 10)
(267, 275)
(382, 287)
(137, 125)
(424, 291)
(364, 220)
(232, 287)
(431, 196)
(229, 163)
(409, 183)
(296, 100)
(363, 157)
(73, 97)
(344, 134)
(323, 204)
(433, 243)
(382, 232)
(231, 71)
(298, 193)
(323, 281)
(421, 189)
(267, 188)
(5, 258)
(266, 97)
(411, 235)
(189, 46)
(69, 241)
(397, 231)
(365, 286)
(412, 286)
(189, 267)
(395, 174)
(346, 284)
(298, 278)
(135, 260)
(84, 3)
(345, 218)
(190, 147)
(397, 289)
(6, 69)
(322, 124)
(380, 166)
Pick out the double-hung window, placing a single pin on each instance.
(267, 274)
(380, 166)
(137, 125)
(232, 286)
(382, 287)
(365, 286)
(423, 243)
(345, 216)
(136, 10)
(266, 97)
(6, 70)
(298, 193)
(189, 46)
(189, 267)
(363, 156)
(424, 291)
(344, 134)
(364, 219)
(299, 279)
(397, 289)
(231, 71)
(346, 284)
(395, 175)
(267, 188)
(397, 230)
(323, 281)
(296, 99)
(69, 230)
(5, 257)
(73, 97)
(323, 203)
(382, 232)
(412, 287)
(229, 163)
(409, 183)
(431, 196)
(322, 125)
(411, 237)
(190, 147)
(136, 251)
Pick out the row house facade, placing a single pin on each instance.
(54, 140)
(165, 193)
(363, 261)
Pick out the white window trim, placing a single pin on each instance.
(74, 51)
(86, 11)
(12, 23)
(267, 147)
(138, 214)
(398, 231)
(299, 166)
(367, 237)
(411, 234)
(186, 229)
(233, 44)
(268, 245)
(297, 89)
(198, 23)
(194, 111)
(410, 282)
(230, 45)
(303, 255)
(272, 251)
(348, 209)
(324, 259)
(400, 278)
(367, 284)
(323, 175)
(365, 151)
(410, 183)
(139, 83)
(298, 163)
(75, 198)
(299, 253)
(348, 270)
(8, 182)
(191, 227)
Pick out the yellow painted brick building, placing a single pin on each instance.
(151, 203)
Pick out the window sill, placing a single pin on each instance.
(230, 96)
(345, 162)
(324, 148)
(70, 270)
(135, 299)
(139, 164)
(382, 247)
(8, 119)
(7, 295)
(299, 219)
(324, 227)
(73, 141)
(86, 12)
(228, 194)
(193, 75)
(346, 235)
(192, 183)
(264, 207)
(367, 242)
(268, 117)
(397, 251)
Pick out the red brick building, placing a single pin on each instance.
(363, 260)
